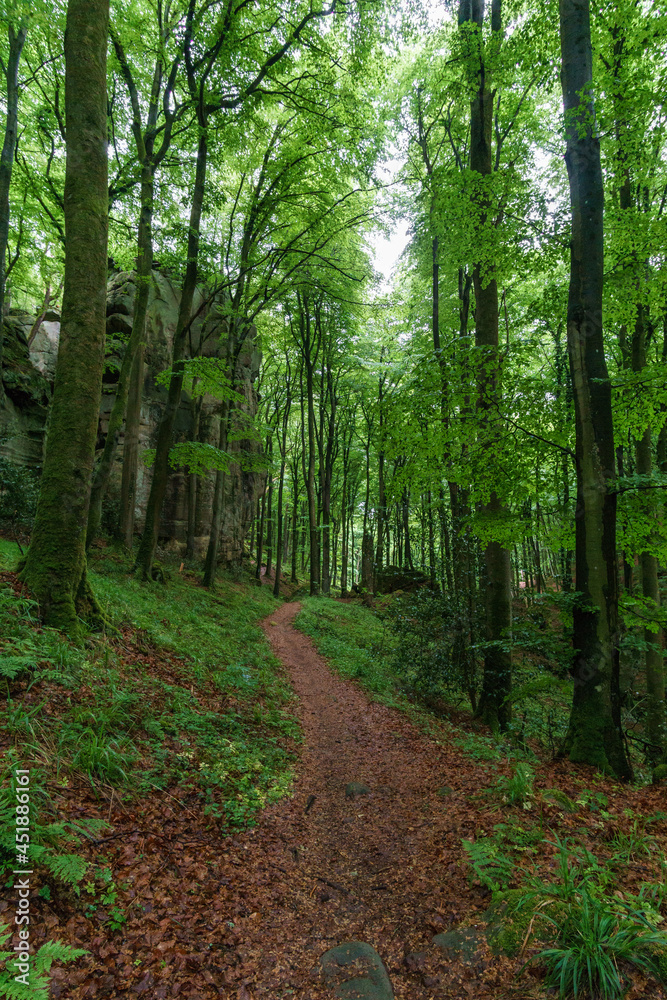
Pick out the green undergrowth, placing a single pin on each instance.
(576, 884)
(588, 922)
(184, 698)
(357, 644)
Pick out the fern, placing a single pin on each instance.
(493, 868)
(68, 868)
(12, 667)
(535, 687)
(50, 952)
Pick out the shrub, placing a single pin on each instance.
(518, 790)
(434, 654)
(19, 489)
(494, 869)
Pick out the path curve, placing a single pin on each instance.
(385, 867)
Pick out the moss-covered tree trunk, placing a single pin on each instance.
(310, 348)
(17, 37)
(146, 553)
(594, 734)
(281, 487)
(281, 547)
(55, 567)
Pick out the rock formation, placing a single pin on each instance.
(28, 378)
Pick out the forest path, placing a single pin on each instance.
(382, 867)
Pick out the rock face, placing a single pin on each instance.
(28, 378)
(25, 406)
(392, 578)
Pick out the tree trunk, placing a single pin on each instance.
(253, 528)
(366, 582)
(281, 486)
(211, 562)
(594, 735)
(343, 526)
(16, 43)
(493, 706)
(55, 566)
(655, 677)
(329, 456)
(260, 538)
(295, 525)
(408, 563)
(310, 481)
(432, 568)
(130, 381)
(193, 483)
(146, 553)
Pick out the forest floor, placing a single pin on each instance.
(194, 909)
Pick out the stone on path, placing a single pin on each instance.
(354, 971)
(355, 788)
(461, 945)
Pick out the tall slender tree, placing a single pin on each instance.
(17, 31)
(594, 735)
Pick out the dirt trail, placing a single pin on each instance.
(383, 867)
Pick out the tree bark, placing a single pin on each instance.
(309, 360)
(493, 706)
(295, 522)
(281, 485)
(55, 566)
(130, 384)
(17, 39)
(211, 562)
(655, 676)
(260, 537)
(269, 515)
(594, 735)
(146, 553)
(193, 484)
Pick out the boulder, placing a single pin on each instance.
(354, 788)
(391, 579)
(354, 971)
(464, 944)
(25, 403)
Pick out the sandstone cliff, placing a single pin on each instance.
(28, 379)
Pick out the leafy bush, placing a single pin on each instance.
(19, 489)
(98, 755)
(433, 655)
(50, 843)
(592, 939)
